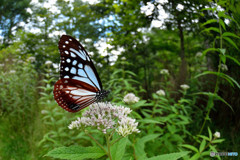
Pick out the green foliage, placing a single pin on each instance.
(76, 153)
(201, 39)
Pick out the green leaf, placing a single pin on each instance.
(222, 50)
(118, 149)
(215, 96)
(223, 58)
(170, 156)
(195, 156)
(221, 14)
(233, 59)
(222, 24)
(229, 34)
(218, 141)
(231, 42)
(222, 75)
(202, 145)
(209, 49)
(150, 121)
(210, 21)
(76, 153)
(210, 133)
(140, 144)
(190, 147)
(204, 137)
(211, 29)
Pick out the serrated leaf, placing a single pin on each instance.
(190, 147)
(76, 153)
(170, 156)
(202, 145)
(118, 149)
(231, 42)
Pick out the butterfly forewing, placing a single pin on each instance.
(80, 84)
(76, 63)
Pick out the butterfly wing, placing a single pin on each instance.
(80, 84)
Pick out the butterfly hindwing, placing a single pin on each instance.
(73, 95)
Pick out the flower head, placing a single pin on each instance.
(217, 134)
(224, 67)
(12, 71)
(199, 54)
(104, 117)
(127, 126)
(130, 98)
(48, 63)
(31, 59)
(184, 86)
(161, 92)
(164, 71)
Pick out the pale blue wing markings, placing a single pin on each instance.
(68, 60)
(81, 73)
(74, 62)
(73, 70)
(78, 53)
(73, 55)
(83, 79)
(80, 65)
(92, 76)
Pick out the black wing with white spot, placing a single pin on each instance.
(76, 63)
(80, 84)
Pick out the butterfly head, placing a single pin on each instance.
(102, 95)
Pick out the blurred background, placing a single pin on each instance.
(138, 46)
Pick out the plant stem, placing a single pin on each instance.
(97, 143)
(211, 99)
(116, 140)
(108, 146)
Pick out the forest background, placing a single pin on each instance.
(181, 58)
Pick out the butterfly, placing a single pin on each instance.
(79, 84)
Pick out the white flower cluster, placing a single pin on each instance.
(48, 63)
(164, 71)
(217, 134)
(12, 71)
(184, 86)
(31, 59)
(130, 98)
(224, 67)
(161, 92)
(104, 116)
(199, 54)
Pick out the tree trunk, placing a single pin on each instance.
(183, 67)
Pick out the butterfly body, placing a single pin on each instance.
(79, 84)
